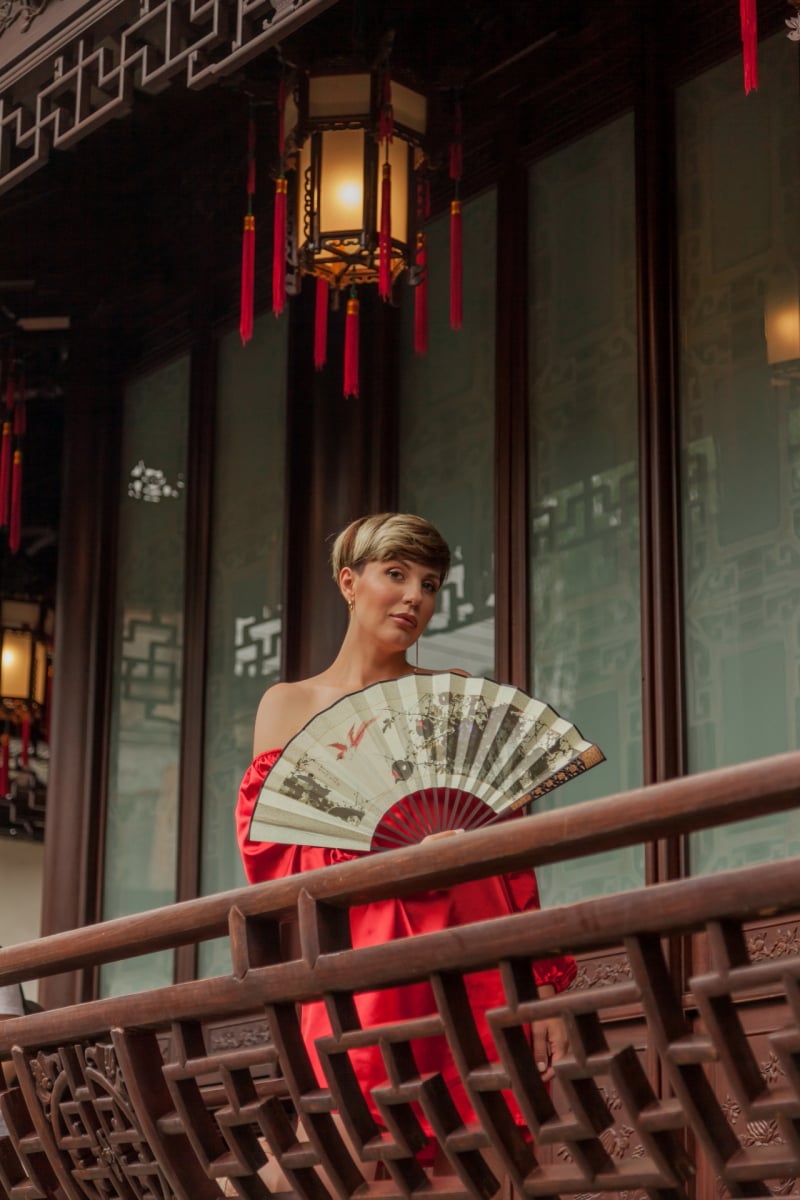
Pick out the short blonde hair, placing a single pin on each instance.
(382, 536)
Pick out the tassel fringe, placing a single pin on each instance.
(15, 519)
(248, 279)
(749, 25)
(321, 324)
(421, 297)
(385, 236)
(279, 248)
(351, 348)
(456, 266)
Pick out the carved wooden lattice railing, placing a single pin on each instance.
(129, 1097)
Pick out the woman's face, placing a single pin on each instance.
(392, 600)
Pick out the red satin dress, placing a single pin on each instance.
(384, 920)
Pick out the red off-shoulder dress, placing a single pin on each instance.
(374, 924)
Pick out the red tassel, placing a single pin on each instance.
(5, 473)
(748, 21)
(321, 324)
(25, 735)
(421, 297)
(249, 241)
(15, 520)
(456, 265)
(4, 763)
(385, 236)
(248, 278)
(279, 248)
(351, 348)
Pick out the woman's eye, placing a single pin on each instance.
(393, 573)
(430, 587)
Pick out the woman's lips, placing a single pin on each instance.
(405, 619)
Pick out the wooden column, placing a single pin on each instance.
(512, 630)
(340, 464)
(662, 705)
(82, 661)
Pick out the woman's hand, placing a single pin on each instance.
(550, 1039)
(443, 833)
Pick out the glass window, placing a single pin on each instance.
(446, 455)
(244, 639)
(584, 494)
(739, 204)
(144, 747)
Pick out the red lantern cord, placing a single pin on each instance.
(279, 217)
(749, 23)
(456, 148)
(456, 233)
(321, 324)
(5, 473)
(25, 744)
(386, 118)
(249, 240)
(421, 297)
(385, 236)
(351, 347)
(279, 248)
(4, 763)
(456, 265)
(15, 519)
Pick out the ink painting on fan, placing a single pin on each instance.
(404, 758)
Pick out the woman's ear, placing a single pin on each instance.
(346, 578)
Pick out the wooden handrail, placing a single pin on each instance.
(678, 806)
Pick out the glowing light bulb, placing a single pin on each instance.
(350, 195)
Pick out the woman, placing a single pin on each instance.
(389, 568)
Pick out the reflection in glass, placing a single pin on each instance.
(447, 439)
(584, 516)
(738, 204)
(144, 746)
(244, 638)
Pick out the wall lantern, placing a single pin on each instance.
(26, 630)
(23, 659)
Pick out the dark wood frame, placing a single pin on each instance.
(342, 460)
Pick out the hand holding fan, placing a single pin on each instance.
(401, 759)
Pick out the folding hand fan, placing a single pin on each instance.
(386, 766)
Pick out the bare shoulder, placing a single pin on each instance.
(283, 711)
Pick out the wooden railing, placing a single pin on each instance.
(135, 1097)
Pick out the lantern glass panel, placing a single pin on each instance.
(342, 181)
(410, 108)
(39, 673)
(338, 96)
(15, 664)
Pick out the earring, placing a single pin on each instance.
(351, 605)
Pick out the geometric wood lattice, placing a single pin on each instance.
(139, 1098)
(64, 84)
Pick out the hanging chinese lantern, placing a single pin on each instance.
(355, 141)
